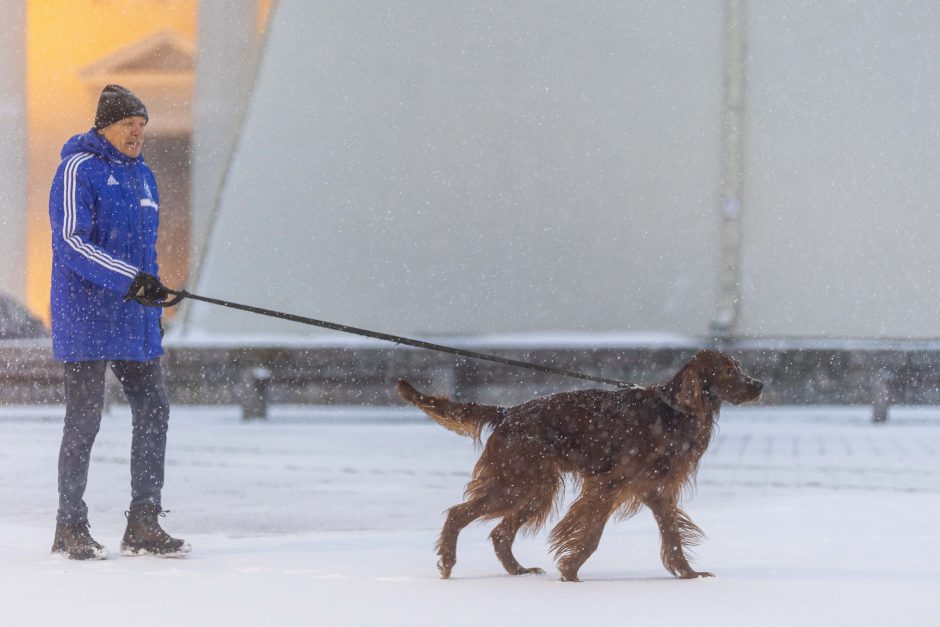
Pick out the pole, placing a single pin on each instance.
(732, 187)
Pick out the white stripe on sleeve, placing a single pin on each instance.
(68, 226)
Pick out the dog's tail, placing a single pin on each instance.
(463, 418)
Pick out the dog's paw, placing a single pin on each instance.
(445, 566)
(692, 574)
(529, 571)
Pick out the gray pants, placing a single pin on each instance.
(84, 398)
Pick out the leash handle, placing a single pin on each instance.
(179, 295)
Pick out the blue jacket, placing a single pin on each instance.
(104, 210)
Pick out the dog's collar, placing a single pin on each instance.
(664, 398)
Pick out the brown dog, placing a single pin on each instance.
(627, 448)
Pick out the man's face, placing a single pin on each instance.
(127, 135)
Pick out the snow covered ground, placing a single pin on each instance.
(814, 516)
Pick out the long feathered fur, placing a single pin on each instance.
(624, 450)
(468, 419)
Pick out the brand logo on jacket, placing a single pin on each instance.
(112, 180)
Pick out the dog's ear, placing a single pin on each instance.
(689, 388)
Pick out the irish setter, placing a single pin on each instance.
(626, 448)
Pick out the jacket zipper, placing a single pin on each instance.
(141, 244)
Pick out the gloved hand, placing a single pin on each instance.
(146, 290)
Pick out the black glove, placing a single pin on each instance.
(146, 290)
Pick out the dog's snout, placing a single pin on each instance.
(758, 385)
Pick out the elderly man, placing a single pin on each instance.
(104, 213)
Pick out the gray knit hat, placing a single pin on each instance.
(117, 103)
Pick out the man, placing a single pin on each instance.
(104, 213)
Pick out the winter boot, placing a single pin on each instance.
(145, 537)
(75, 542)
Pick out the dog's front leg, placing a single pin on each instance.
(576, 536)
(677, 532)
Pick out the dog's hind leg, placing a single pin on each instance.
(503, 536)
(459, 517)
(534, 514)
(677, 532)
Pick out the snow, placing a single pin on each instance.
(319, 516)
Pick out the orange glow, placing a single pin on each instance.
(264, 13)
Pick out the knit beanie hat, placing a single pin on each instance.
(117, 103)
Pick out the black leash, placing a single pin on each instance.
(397, 339)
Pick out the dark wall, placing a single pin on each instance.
(855, 375)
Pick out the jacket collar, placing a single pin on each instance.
(94, 142)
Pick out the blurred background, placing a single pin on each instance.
(664, 171)
(718, 166)
(57, 56)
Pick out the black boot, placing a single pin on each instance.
(145, 537)
(75, 542)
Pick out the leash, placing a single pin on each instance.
(179, 295)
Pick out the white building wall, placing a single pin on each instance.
(225, 69)
(440, 168)
(841, 185)
(475, 167)
(13, 156)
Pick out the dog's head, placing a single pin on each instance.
(710, 378)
